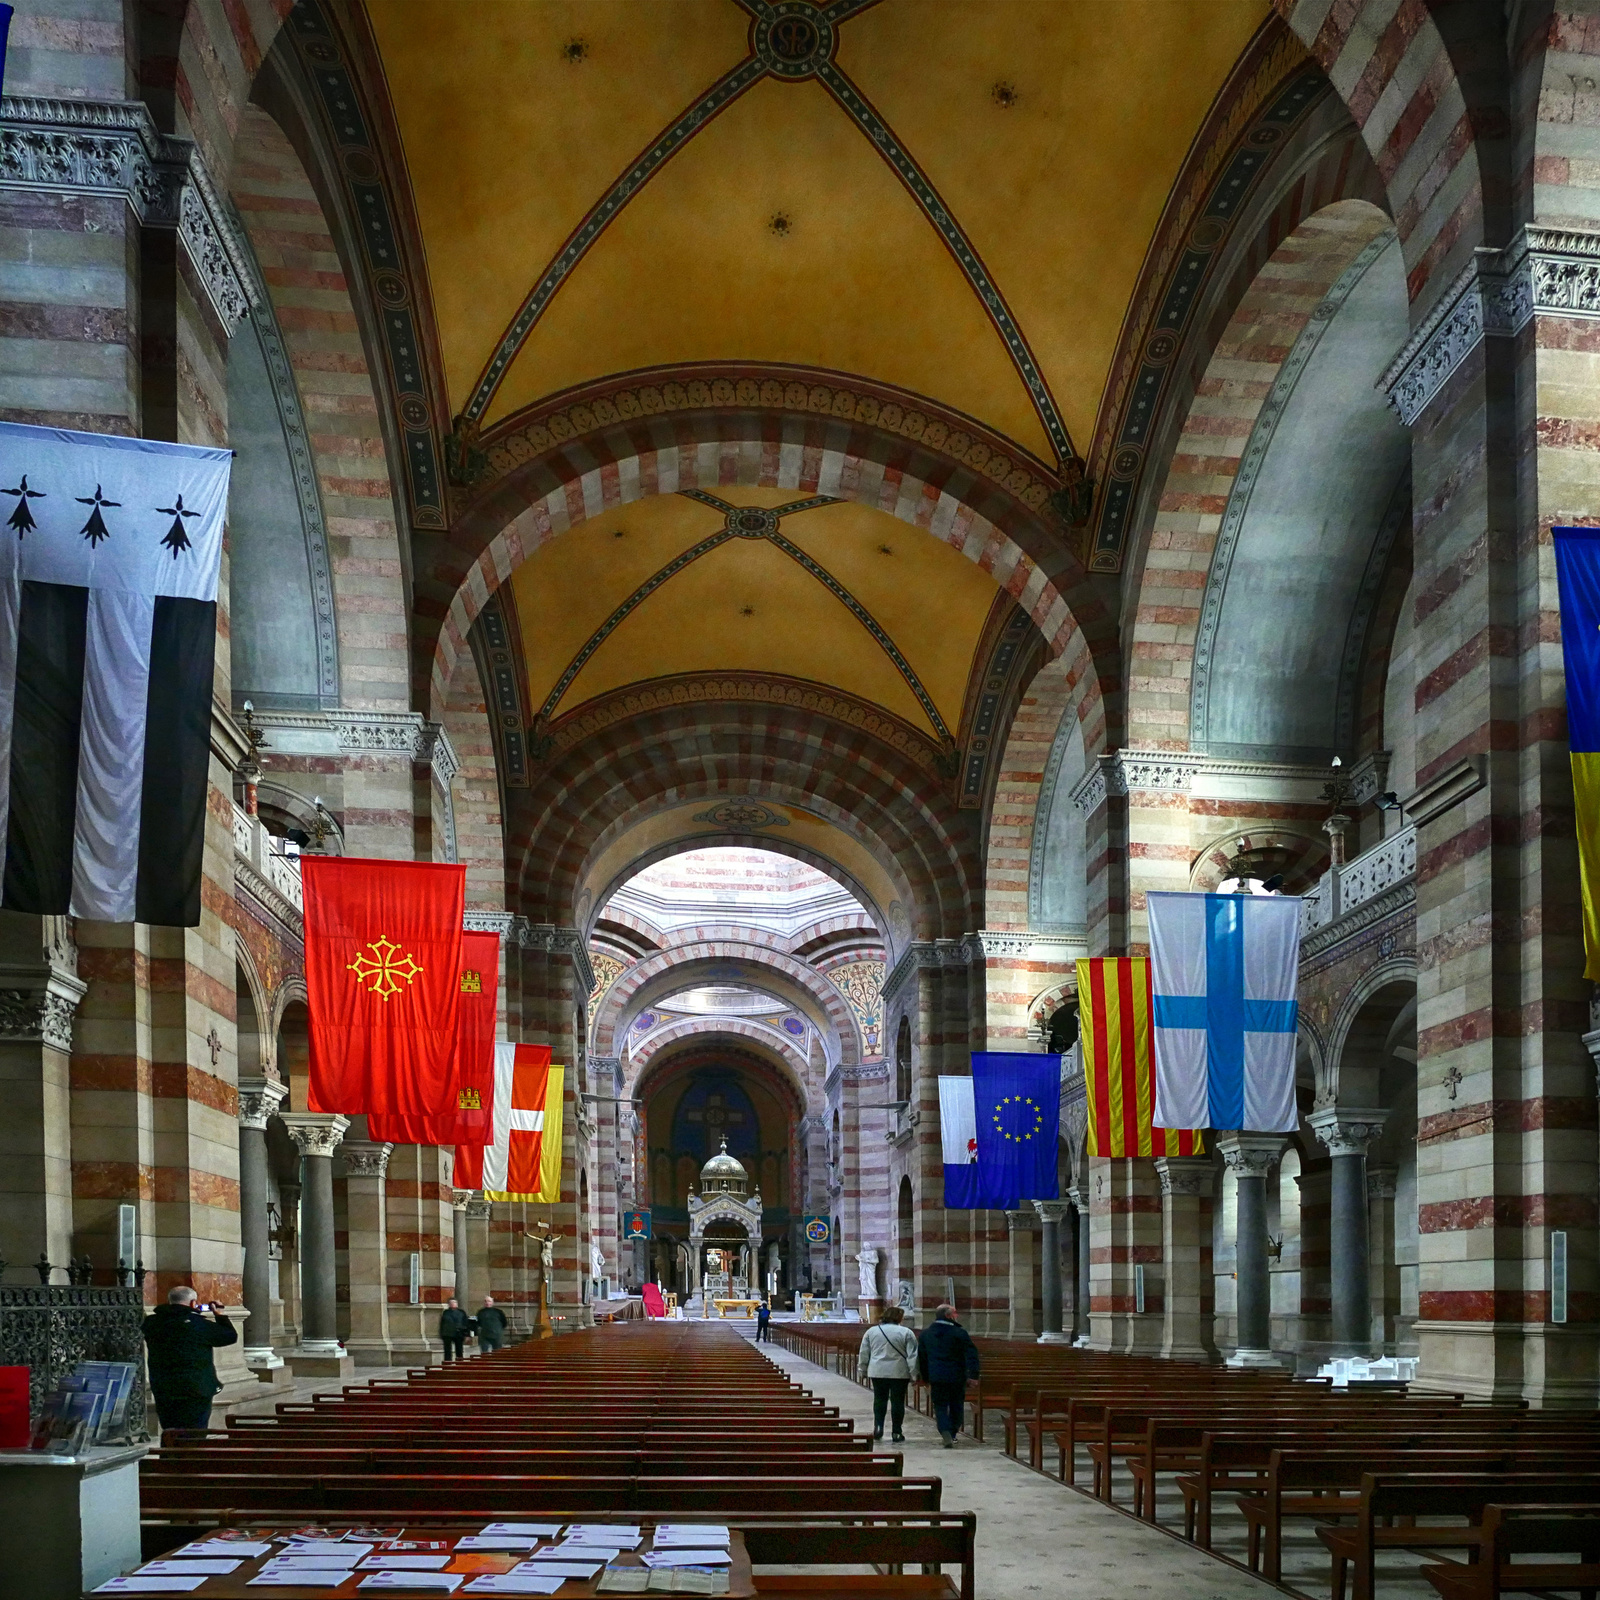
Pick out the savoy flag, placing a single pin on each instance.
(109, 555)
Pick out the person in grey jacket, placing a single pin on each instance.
(888, 1356)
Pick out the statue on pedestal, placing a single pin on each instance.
(867, 1267)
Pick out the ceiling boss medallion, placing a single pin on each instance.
(752, 522)
(792, 40)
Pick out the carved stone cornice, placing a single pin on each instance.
(1251, 1155)
(317, 1133)
(1542, 272)
(1348, 1132)
(501, 922)
(922, 954)
(364, 1159)
(259, 1099)
(555, 940)
(1402, 897)
(38, 1003)
(113, 148)
(1446, 789)
(404, 735)
(1125, 772)
(1185, 1174)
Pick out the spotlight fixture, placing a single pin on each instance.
(1388, 801)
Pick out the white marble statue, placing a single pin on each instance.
(867, 1267)
(597, 1261)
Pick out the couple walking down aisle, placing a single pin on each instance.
(945, 1357)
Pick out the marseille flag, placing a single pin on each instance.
(1016, 1102)
(1223, 972)
(109, 555)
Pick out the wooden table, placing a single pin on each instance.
(234, 1585)
(724, 1305)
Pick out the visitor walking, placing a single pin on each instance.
(454, 1326)
(180, 1337)
(491, 1325)
(888, 1356)
(948, 1360)
(763, 1323)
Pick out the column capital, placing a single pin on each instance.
(1251, 1155)
(1078, 1194)
(259, 1098)
(316, 1132)
(1381, 1183)
(363, 1158)
(1050, 1210)
(478, 1209)
(1185, 1174)
(1019, 1220)
(461, 1199)
(1348, 1130)
(38, 1003)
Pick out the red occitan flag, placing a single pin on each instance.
(383, 978)
(465, 1117)
(1119, 1072)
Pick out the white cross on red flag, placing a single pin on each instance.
(523, 1159)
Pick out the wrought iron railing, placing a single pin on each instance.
(49, 1330)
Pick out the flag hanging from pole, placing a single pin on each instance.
(383, 982)
(1223, 973)
(1118, 1068)
(522, 1161)
(958, 1136)
(464, 1118)
(110, 550)
(1016, 1099)
(1578, 577)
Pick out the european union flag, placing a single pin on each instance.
(1017, 1107)
(1578, 575)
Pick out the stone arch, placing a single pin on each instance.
(708, 1030)
(1297, 853)
(1362, 1023)
(544, 495)
(253, 1052)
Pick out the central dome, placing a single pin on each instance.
(723, 1173)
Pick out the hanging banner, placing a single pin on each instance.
(522, 1161)
(109, 559)
(819, 1231)
(383, 981)
(636, 1225)
(1578, 577)
(1016, 1100)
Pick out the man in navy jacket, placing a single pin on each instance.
(180, 1338)
(948, 1360)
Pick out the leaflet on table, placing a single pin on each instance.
(515, 1583)
(169, 1568)
(703, 1536)
(343, 1554)
(333, 1558)
(687, 1558)
(407, 1563)
(327, 1578)
(223, 1547)
(420, 1544)
(683, 1580)
(449, 1582)
(497, 1541)
(567, 1569)
(534, 1530)
(150, 1585)
(599, 1554)
(625, 1535)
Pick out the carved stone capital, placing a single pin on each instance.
(461, 1199)
(364, 1159)
(37, 1004)
(1251, 1155)
(1051, 1210)
(259, 1099)
(1347, 1131)
(1020, 1220)
(1185, 1174)
(1381, 1183)
(316, 1132)
(478, 1210)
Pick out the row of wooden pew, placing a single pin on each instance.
(638, 1421)
(1371, 1469)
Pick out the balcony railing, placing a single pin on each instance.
(274, 859)
(1341, 890)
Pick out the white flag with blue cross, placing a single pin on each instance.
(1223, 970)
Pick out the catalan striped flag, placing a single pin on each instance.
(1114, 1008)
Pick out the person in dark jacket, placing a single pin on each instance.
(454, 1326)
(491, 1323)
(180, 1337)
(763, 1323)
(948, 1360)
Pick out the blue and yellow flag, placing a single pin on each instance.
(1578, 573)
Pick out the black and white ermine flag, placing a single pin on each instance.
(109, 555)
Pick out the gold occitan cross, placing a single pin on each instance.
(385, 967)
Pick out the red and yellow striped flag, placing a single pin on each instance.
(1118, 1065)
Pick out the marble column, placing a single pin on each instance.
(460, 1199)
(317, 1133)
(1019, 1231)
(1348, 1135)
(1050, 1214)
(1186, 1322)
(366, 1167)
(1250, 1156)
(1080, 1204)
(1385, 1273)
(259, 1099)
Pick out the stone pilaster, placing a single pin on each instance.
(1125, 1231)
(1051, 1215)
(1250, 1157)
(417, 1192)
(366, 1222)
(1186, 1319)
(259, 1099)
(1082, 1299)
(1384, 1276)
(1022, 1323)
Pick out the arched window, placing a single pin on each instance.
(1063, 1029)
(902, 1062)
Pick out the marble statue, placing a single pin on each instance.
(867, 1267)
(597, 1261)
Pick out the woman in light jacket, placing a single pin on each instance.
(889, 1358)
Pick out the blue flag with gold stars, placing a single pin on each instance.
(1017, 1106)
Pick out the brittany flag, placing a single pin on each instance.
(1114, 1009)
(523, 1160)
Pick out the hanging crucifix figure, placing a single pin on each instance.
(95, 529)
(22, 518)
(176, 538)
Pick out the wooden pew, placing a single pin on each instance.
(1509, 1530)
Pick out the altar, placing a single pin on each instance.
(723, 1267)
(743, 1309)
